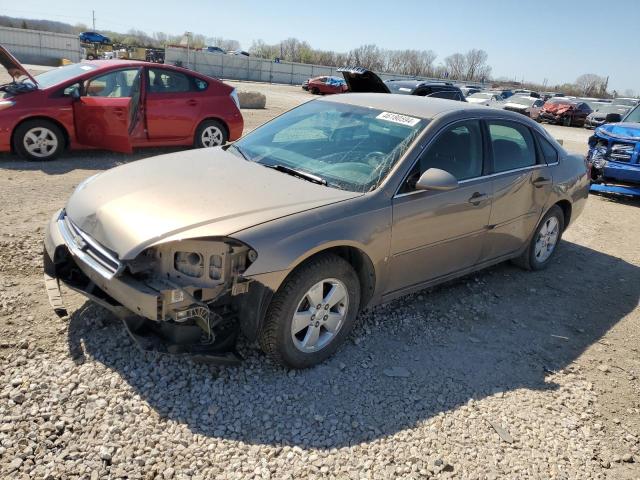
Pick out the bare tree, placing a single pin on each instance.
(456, 65)
(591, 84)
(476, 64)
(368, 56)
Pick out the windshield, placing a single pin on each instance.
(62, 74)
(346, 146)
(522, 100)
(634, 115)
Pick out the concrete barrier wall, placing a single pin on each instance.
(41, 48)
(240, 67)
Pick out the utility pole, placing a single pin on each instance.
(93, 16)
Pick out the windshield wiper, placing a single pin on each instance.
(298, 173)
(239, 150)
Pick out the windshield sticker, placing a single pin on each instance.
(404, 89)
(86, 67)
(397, 118)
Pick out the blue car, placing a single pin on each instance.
(94, 37)
(614, 150)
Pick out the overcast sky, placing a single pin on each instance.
(534, 40)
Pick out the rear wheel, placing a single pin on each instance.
(312, 313)
(38, 140)
(314, 90)
(210, 133)
(544, 242)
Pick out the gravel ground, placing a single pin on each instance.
(503, 374)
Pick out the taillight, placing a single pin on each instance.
(234, 97)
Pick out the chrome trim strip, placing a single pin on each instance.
(70, 234)
(483, 177)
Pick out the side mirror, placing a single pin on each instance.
(613, 118)
(436, 179)
(74, 93)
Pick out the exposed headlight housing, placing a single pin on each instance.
(190, 264)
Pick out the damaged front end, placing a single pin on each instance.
(614, 154)
(176, 297)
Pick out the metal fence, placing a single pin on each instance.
(41, 48)
(240, 67)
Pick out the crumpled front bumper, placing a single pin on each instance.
(131, 301)
(124, 297)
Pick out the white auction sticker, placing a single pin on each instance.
(397, 118)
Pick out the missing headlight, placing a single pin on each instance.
(190, 264)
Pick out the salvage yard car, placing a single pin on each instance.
(361, 80)
(115, 105)
(529, 106)
(342, 203)
(614, 150)
(325, 85)
(561, 111)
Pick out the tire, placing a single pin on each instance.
(535, 259)
(210, 133)
(91, 57)
(38, 140)
(314, 91)
(567, 122)
(314, 341)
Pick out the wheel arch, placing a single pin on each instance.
(211, 117)
(566, 207)
(358, 260)
(62, 128)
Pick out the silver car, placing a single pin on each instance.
(284, 236)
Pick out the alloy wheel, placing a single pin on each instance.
(320, 314)
(212, 136)
(40, 142)
(547, 239)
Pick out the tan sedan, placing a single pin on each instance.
(337, 205)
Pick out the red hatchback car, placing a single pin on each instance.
(327, 85)
(115, 105)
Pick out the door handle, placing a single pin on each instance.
(478, 197)
(541, 182)
(192, 103)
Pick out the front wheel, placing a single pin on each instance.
(312, 313)
(210, 133)
(544, 241)
(38, 140)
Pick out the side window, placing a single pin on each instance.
(200, 84)
(117, 84)
(67, 91)
(549, 153)
(167, 81)
(458, 150)
(538, 103)
(512, 145)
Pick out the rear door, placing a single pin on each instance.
(521, 186)
(109, 109)
(173, 104)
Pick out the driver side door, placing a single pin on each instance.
(437, 233)
(108, 110)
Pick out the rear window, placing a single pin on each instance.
(512, 145)
(549, 153)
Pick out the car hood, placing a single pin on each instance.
(517, 106)
(558, 108)
(9, 62)
(191, 194)
(362, 80)
(622, 131)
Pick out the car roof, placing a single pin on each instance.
(423, 107)
(420, 83)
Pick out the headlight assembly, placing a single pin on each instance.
(190, 264)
